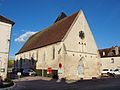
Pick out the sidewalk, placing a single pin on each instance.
(29, 78)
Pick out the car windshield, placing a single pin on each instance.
(105, 69)
(116, 70)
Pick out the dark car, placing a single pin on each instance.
(16, 70)
(28, 72)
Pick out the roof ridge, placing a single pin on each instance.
(6, 20)
(52, 25)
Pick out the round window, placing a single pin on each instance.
(81, 34)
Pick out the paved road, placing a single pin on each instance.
(38, 83)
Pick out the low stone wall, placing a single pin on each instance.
(53, 75)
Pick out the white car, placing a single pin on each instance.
(105, 72)
(116, 72)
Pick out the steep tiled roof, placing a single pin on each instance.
(50, 35)
(4, 19)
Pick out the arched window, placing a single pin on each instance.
(53, 52)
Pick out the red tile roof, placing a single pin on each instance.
(6, 20)
(50, 35)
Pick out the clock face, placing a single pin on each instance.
(81, 34)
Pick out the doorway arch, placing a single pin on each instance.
(81, 67)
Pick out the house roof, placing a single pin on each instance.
(6, 20)
(108, 52)
(53, 34)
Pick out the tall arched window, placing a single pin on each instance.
(53, 52)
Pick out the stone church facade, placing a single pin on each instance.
(5, 33)
(69, 42)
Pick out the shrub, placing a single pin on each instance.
(38, 72)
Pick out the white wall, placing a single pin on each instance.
(5, 31)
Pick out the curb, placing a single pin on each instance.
(8, 88)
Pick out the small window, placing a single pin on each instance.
(112, 60)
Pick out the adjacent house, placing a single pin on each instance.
(110, 57)
(67, 45)
(5, 32)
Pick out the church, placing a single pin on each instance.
(66, 48)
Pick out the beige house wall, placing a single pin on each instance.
(5, 32)
(110, 62)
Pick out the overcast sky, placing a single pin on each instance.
(31, 16)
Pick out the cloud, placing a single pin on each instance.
(23, 38)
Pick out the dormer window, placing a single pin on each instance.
(113, 51)
(103, 53)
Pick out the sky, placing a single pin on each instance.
(31, 16)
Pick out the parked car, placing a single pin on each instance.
(107, 72)
(111, 72)
(28, 72)
(116, 72)
(16, 70)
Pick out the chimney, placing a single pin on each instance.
(116, 50)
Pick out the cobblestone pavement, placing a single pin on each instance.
(40, 83)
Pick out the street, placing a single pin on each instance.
(39, 83)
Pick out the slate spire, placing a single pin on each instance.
(61, 16)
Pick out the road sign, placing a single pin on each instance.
(49, 70)
(59, 71)
(60, 65)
